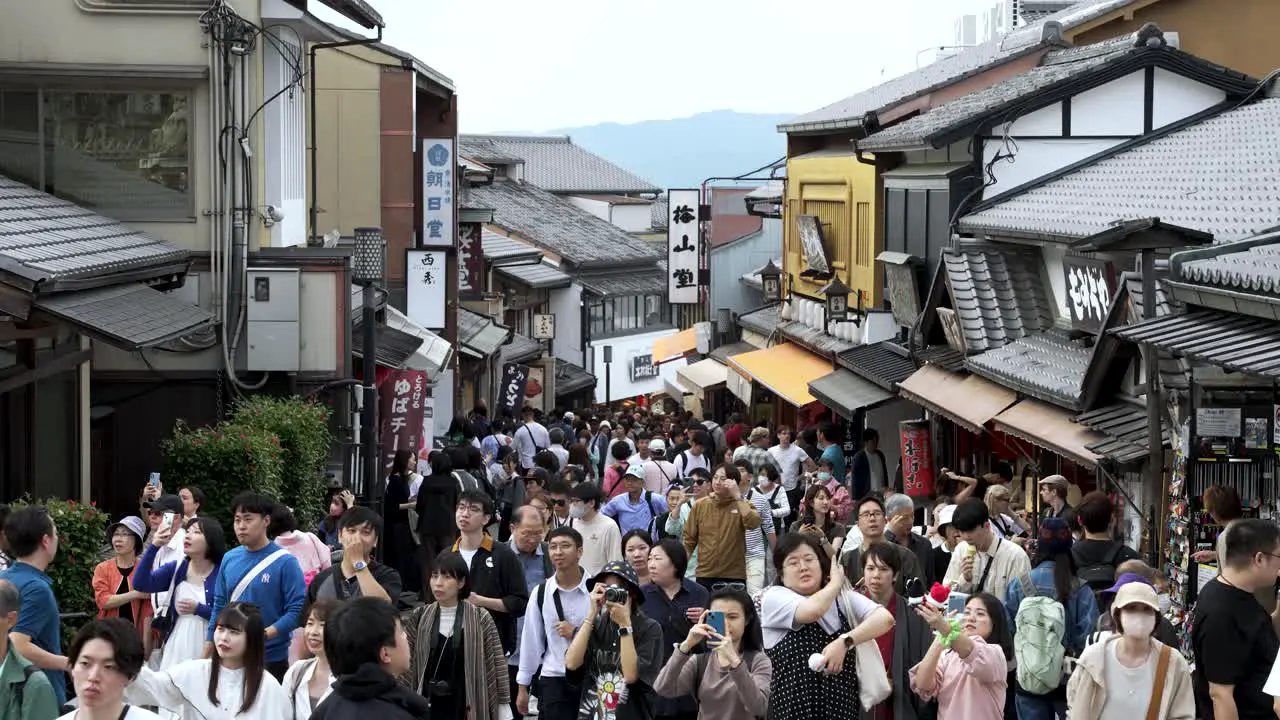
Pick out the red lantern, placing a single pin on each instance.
(917, 458)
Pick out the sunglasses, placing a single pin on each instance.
(699, 481)
(559, 503)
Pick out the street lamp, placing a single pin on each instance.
(771, 280)
(608, 372)
(837, 303)
(367, 267)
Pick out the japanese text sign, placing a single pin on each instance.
(544, 326)
(683, 246)
(642, 367)
(470, 262)
(401, 403)
(917, 458)
(425, 280)
(1088, 291)
(515, 378)
(438, 170)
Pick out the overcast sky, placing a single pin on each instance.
(537, 66)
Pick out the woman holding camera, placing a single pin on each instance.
(456, 659)
(619, 649)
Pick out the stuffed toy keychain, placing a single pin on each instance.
(937, 599)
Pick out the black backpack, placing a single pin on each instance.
(1098, 576)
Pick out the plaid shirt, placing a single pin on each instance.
(758, 457)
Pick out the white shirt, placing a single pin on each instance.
(791, 459)
(687, 461)
(540, 644)
(186, 686)
(601, 542)
(527, 439)
(778, 613)
(1128, 689)
(658, 475)
(297, 681)
(561, 454)
(1272, 687)
(134, 713)
(1009, 560)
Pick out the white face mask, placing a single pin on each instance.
(1166, 602)
(577, 511)
(764, 481)
(1137, 624)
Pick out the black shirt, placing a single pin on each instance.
(496, 572)
(333, 584)
(1234, 644)
(1094, 552)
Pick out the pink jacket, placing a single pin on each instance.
(311, 552)
(972, 688)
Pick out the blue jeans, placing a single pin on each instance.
(1037, 708)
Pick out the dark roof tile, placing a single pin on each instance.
(555, 163)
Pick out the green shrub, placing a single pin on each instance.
(81, 531)
(224, 461)
(303, 429)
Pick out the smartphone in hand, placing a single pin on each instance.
(715, 619)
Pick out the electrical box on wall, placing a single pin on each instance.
(272, 332)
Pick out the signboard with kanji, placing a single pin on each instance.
(917, 458)
(401, 405)
(515, 379)
(425, 287)
(642, 367)
(471, 284)
(1089, 290)
(438, 163)
(544, 326)
(684, 242)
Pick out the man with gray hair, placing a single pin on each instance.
(25, 692)
(899, 511)
(557, 447)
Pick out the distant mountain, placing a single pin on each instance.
(685, 151)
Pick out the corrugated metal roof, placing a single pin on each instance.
(1239, 343)
(884, 363)
(1047, 366)
(1216, 176)
(846, 393)
(555, 163)
(542, 276)
(479, 334)
(998, 293)
(556, 225)
(943, 356)
(130, 317)
(1125, 425)
(48, 240)
(521, 349)
(570, 378)
(848, 112)
(394, 348)
(498, 248)
(640, 281)
(1174, 371)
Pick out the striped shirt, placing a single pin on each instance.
(755, 538)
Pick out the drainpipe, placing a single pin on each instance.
(314, 210)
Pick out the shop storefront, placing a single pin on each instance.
(625, 367)
(774, 384)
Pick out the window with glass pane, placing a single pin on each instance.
(124, 154)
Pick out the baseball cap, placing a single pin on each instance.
(606, 425)
(165, 503)
(635, 471)
(1136, 593)
(945, 513)
(658, 446)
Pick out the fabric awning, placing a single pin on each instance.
(846, 393)
(786, 370)
(674, 347)
(703, 375)
(1050, 428)
(1241, 343)
(130, 317)
(967, 400)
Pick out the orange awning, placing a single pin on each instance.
(1050, 428)
(674, 347)
(967, 400)
(786, 370)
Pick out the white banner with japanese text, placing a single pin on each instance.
(683, 246)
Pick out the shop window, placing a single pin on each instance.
(125, 154)
(627, 314)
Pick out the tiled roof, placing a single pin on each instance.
(616, 199)
(944, 356)
(1233, 342)
(521, 349)
(885, 364)
(658, 213)
(482, 149)
(556, 225)
(571, 378)
(1125, 425)
(129, 316)
(998, 293)
(768, 320)
(1046, 366)
(479, 334)
(1217, 176)
(645, 279)
(1061, 73)
(848, 112)
(394, 347)
(554, 163)
(1174, 371)
(51, 241)
(1253, 266)
(500, 247)
(542, 276)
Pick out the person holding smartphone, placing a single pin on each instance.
(731, 680)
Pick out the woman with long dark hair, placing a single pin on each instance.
(437, 501)
(1053, 574)
(234, 682)
(397, 549)
(817, 516)
(966, 669)
(732, 679)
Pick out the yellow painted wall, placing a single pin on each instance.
(348, 126)
(833, 185)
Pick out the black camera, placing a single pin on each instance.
(615, 594)
(438, 688)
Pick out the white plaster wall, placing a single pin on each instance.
(1037, 158)
(1053, 255)
(624, 349)
(566, 305)
(1045, 121)
(595, 207)
(632, 218)
(1112, 109)
(1176, 97)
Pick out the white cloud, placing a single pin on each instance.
(522, 65)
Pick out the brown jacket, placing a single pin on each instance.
(717, 530)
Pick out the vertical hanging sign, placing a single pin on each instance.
(438, 164)
(917, 458)
(683, 246)
(425, 288)
(400, 397)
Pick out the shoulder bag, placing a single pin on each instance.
(253, 574)
(873, 682)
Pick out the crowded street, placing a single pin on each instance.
(425, 360)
